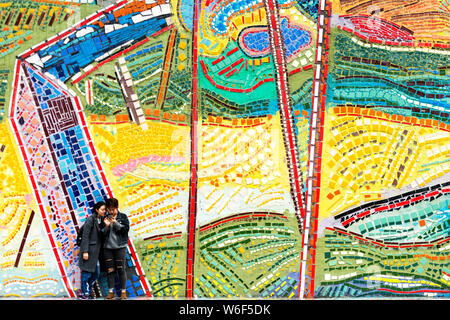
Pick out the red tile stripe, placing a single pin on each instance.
(309, 240)
(396, 205)
(192, 213)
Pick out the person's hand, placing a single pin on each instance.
(107, 222)
(85, 255)
(112, 220)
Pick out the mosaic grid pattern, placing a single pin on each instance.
(261, 149)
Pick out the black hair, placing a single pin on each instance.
(112, 203)
(98, 205)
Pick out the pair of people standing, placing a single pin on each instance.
(104, 240)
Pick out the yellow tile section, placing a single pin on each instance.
(12, 178)
(364, 156)
(218, 43)
(149, 188)
(13, 214)
(129, 141)
(239, 153)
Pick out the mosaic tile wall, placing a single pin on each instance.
(274, 149)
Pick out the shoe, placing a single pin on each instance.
(123, 295)
(92, 296)
(83, 297)
(110, 296)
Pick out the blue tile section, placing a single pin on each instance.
(77, 168)
(295, 38)
(90, 42)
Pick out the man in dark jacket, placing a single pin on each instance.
(90, 247)
(115, 247)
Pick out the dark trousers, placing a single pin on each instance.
(115, 264)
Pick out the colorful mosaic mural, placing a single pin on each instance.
(260, 149)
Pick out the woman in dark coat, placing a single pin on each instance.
(90, 247)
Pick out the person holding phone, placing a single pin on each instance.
(115, 247)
